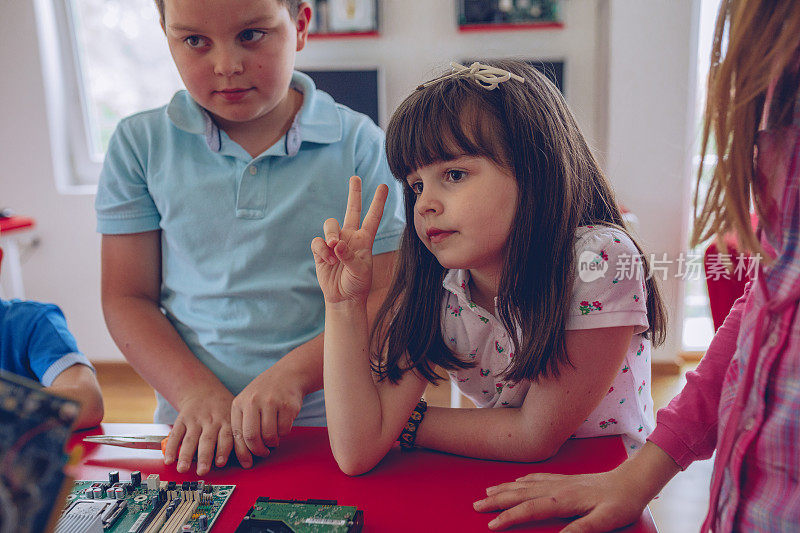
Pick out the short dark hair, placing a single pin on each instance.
(528, 129)
(292, 5)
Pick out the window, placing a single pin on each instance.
(698, 328)
(103, 60)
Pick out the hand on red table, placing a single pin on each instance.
(203, 426)
(264, 412)
(604, 501)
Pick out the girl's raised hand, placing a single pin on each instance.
(343, 258)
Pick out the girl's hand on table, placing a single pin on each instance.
(604, 501)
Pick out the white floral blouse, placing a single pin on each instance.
(609, 291)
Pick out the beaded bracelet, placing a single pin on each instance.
(409, 433)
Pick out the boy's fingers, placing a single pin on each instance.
(175, 437)
(269, 428)
(224, 445)
(285, 421)
(331, 230)
(188, 448)
(239, 446)
(352, 215)
(373, 217)
(251, 430)
(205, 449)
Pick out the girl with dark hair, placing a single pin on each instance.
(742, 401)
(517, 277)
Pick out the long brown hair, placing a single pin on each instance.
(527, 128)
(754, 43)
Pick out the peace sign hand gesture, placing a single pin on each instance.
(344, 258)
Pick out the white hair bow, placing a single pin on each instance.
(486, 76)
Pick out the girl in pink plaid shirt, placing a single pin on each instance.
(744, 398)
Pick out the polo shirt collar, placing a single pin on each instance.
(318, 120)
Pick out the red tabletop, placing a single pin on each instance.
(415, 491)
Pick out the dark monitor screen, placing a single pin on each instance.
(357, 89)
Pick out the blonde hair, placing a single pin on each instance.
(754, 43)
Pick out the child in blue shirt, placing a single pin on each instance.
(207, 206)
(36, 344)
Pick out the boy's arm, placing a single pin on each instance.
(553, 408)
(131, 284)
(265, 410)
(78, 382)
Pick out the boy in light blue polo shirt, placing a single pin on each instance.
(207, 207)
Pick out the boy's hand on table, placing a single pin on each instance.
(264, 412)
(604, 501)
(203, 426)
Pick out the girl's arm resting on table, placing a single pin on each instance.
(131, 284)
(553, 408)
(364, 417)
(78, 382)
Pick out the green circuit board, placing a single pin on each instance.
(146, 507)
(293, 516)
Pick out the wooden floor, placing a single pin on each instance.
(680, 508)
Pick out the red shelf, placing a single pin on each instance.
(511, 26)
(343, 35)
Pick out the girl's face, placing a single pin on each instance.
(464, 210)
(235, 56)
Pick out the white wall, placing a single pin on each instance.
(628, 76)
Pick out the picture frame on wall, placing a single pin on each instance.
(343, 17)
(488, 14)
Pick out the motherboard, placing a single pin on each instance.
(142, 506)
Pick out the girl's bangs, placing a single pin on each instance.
(440, 123)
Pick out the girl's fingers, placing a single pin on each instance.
(502, 500)
(331, 231)
(352, 215)
(511, 485)
(347, 256)
(373, 217)
(322, 252)
(538, 509)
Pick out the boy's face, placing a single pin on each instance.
(235, 56)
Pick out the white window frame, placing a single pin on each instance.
(76, 167)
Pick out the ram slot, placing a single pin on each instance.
(181, 515)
